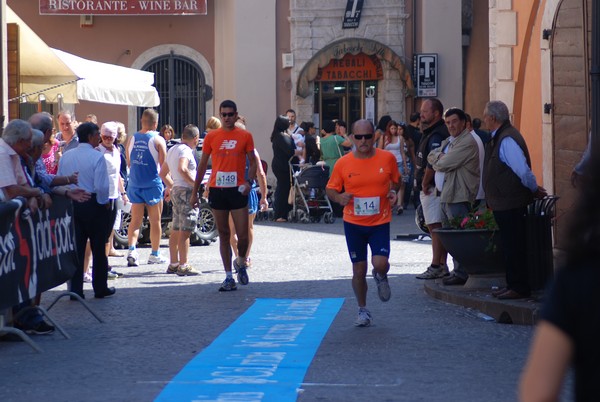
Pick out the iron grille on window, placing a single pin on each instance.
(180, 83)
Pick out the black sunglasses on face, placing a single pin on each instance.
(230, 114)
(361, 136)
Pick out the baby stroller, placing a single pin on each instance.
(310, 201)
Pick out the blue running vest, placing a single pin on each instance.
(143, 172)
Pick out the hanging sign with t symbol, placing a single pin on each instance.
(352, 14)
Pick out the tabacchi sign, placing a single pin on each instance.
(123, 7)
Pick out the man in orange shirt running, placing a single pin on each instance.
(369, 179)
(229, 146)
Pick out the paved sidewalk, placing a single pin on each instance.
(524, 312)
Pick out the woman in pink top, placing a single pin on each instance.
(51, 154)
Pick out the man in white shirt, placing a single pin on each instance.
(297, 134)
(179, 173)
(16, 139)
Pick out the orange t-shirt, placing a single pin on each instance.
(228, 150)
(369, 181)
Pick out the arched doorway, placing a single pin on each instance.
(182, 89)
(354, 78)
(570, 65)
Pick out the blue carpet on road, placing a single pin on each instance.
(262, 356)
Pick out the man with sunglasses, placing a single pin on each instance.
(228, 146)
(365, 182)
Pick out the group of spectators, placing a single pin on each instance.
(92, 166)
(460, 170)
(33, 165)
(297, 145)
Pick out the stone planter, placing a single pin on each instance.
(479, 251)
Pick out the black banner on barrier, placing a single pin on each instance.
(37, 251)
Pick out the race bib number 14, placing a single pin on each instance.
(364, 206)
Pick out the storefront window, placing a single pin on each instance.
(346, 100)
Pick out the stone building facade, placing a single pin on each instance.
(237, 51)
(316, 28)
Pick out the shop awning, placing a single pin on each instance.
(51, 72)
(109, 83)
(39, 68)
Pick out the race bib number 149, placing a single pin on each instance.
(226, 179)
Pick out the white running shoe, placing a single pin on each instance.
(172, 268)
(133, 258)
(156, 259)
(434, 273)
(228, 285)
(383, 287)
(364, 318)
(242, 271)
(186, 270)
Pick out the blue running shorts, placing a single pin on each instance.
(150, 196)
(252, 201)
(358, 237)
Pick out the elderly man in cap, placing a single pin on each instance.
(112, 157)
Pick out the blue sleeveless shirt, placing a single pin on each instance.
(143, 172)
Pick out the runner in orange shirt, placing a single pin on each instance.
(229, 147)
(369, 179)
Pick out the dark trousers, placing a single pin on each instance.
(512, 224)
(90, 223)
(408, 188)
(112, 217)
(282, 191)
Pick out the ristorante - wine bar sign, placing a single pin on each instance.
(123, 7)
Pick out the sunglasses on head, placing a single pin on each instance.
(230, 114)
(361, 136)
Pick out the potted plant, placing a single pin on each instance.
(473, 240)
